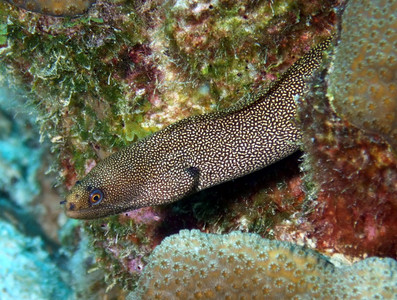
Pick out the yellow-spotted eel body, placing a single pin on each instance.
(197, 152)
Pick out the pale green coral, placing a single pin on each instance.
(363, 80)
(195, 265)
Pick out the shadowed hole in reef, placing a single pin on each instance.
(218, 204)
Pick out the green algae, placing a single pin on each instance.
(67, 70)
(229, 47)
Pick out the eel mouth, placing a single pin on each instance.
(74, 214)
(85, 213)
(90, 213)
(72, 210)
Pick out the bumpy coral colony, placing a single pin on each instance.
(363, 81)
(195, 265)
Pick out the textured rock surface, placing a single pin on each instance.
(352, 179)
(55, 7)
(40, 254)
(27, 272)
(195, 265)
(363, 81)
(20, 155)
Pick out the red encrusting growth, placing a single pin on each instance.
(135, 67)
(356, 175)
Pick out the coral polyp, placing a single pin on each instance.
(58, 8)
(195, 265)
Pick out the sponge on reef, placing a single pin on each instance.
(363, 82)
(58, 8)
(195, 265)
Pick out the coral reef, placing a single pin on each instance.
(77, 74)
(195, 265)
(352, 178)
(20, 155)
(129, 68)
(363, 80)
(214, 52)
(132, 79)
(124, 70)
(27, 271)
(37, 261)
(58, 8)
(123, 243)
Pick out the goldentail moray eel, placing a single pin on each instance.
(197, 152)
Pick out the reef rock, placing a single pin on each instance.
(58, 8)
(27, 272)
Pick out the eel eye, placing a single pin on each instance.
(96, 196)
